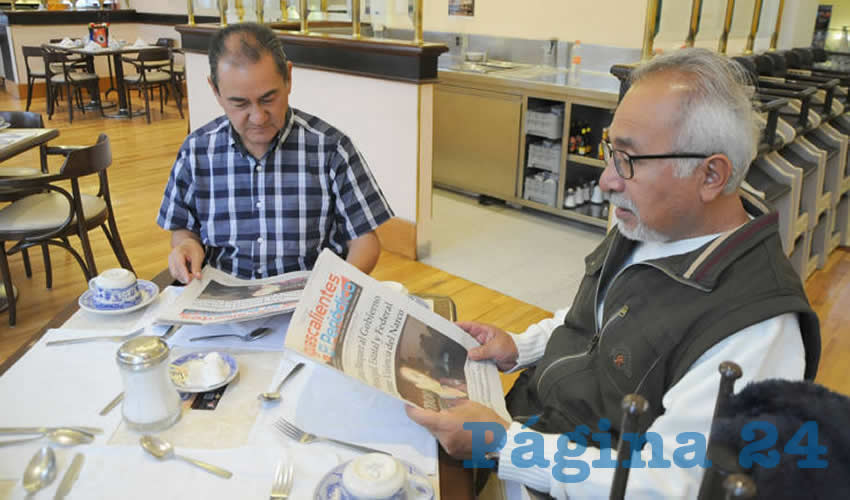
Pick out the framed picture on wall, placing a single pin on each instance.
(462, 8)
(821, 25)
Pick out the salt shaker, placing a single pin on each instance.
(151, 402)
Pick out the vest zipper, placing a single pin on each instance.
(590, 348)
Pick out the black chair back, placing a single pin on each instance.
(89, 160)
(22, 119)
(165, 42)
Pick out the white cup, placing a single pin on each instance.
(382, 477)
(115, 289)
(396, 286)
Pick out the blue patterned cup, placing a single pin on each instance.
(115, 289)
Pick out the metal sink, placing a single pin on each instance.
(483, 67)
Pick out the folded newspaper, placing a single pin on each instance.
(350, 321)
(219, 297)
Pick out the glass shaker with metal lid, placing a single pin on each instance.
(151, 402)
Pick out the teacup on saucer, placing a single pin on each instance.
(375, 476)
(115, 289)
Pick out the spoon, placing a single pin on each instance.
(41, 470)
(163, 450)
(274, 396)
(256, 334)
(62, 436)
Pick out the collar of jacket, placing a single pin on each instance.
(702, 267)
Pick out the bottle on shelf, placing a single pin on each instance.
(588, 141)
(570, 198)
(600, 149)
(573, 77)
(572, 145)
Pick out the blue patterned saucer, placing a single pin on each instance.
(330, 487)
(147, 289)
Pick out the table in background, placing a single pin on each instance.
(455, 480)
(116, 53)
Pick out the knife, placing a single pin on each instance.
(40, 430)
(112, 404)
(70, 476)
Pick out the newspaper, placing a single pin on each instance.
(382, 338)
(221, 298)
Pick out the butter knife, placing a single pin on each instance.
(70, 477)
(41, 430)
(112, 404)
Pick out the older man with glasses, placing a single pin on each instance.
(692, 275)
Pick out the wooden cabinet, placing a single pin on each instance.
(476, 140)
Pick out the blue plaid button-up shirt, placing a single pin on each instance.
(259, 218)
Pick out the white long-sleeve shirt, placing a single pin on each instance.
(770, 349)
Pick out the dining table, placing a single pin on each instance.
(116, 52)
(68, 385)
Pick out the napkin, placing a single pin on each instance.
(92, 46)
(140, 43)
(128, 473)
(58, 386)
(325, 402)
(271, 342)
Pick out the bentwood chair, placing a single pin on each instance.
(148, 76)
(32, 75)
(51, 216)
(24, 119)
(62, 73)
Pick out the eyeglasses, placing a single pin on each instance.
(624, 163)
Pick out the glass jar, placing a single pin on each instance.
(151, 402)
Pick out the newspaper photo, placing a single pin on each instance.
(221, 298)
(383, 338)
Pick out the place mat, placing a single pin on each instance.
(229, 425)
(128, 473)
(58, 386)
(271, 342)
(352, 412)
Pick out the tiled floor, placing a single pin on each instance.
(532, 256)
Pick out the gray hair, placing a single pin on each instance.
(716, 116)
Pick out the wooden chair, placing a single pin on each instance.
(51, 216)
(70, 79)
(25, 119)
(32, 52)
(147, 77)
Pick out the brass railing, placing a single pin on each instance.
(650, 29)
(754, 27)
(774, 39)
(190, 11)
(727, 26)
(693, 29)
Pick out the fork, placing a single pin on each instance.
(110, 338)
(282, 484)
(290, 430)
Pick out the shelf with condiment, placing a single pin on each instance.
(586, 160)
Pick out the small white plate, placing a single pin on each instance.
(148, 289)
(4, 124)
(330, 487)
(177, 377)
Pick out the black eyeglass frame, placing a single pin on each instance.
(609, 151)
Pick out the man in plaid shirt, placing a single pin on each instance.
(262, 190)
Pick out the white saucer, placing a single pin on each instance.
(330, 487)
(177, 379)
(148, 289)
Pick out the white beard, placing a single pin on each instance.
(639, 232)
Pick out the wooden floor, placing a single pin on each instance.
(142, 158)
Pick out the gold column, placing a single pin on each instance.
(190, 10)
(650, 29)
(240, 10)
(324, 6)
(727, 26)
(14, 8)
(284, 15)
(260, 10)
(302, 13)
(222, 12)
(696, 6)
(774, 39)
(417, 23)
(355, 18)
(754, 27)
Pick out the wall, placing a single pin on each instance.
(539, 19)
(840, 13)
(380, 106)
(205, 7)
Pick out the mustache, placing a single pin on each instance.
(620, 200)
